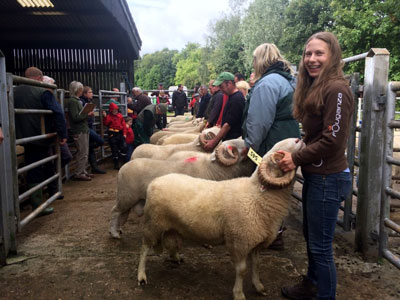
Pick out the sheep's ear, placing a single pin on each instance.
(227, 156)
(213, 157)
(271, 175)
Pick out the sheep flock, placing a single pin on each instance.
(218, 198)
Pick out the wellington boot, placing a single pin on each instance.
(93, 164)
(36, 199)
(116, 164)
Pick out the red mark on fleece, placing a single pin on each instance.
(229, 147)
(191, 159)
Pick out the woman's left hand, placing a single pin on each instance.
(286, 163)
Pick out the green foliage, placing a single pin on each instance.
(359, 25)
(364, 24)
(303, 18)
(262, 23)
(155, 68)
(227, 45)
(187, 65)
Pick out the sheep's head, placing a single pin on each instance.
(208, 134)
(269, 172)
(229, 152)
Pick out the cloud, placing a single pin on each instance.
(173, 23)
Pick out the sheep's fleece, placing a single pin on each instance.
(136, 175)
(240, 213)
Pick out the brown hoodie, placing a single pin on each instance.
(326, 135)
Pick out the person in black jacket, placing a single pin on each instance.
(179, 101)
(28, 125)
(204, 101)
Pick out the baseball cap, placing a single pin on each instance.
(223, 77)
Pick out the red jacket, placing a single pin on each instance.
(115, 122)
(130, 136)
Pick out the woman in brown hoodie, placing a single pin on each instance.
(323, 103)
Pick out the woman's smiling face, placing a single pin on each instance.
(316, 56)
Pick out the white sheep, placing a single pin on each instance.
(240, 213)
(162, 152)
(179, 138)
(133, 178)
(184, 125)
(166, 131)
(181, 118)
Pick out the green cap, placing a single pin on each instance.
(223, 77)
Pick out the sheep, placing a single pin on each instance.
(179, 138)
(242, 213)
(165, 132)
(185, 124)
(181, 118)
(162, 152)
(169, 131)
(225, 162)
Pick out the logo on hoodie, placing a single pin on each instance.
(335, 128)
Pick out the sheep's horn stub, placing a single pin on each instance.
(202, 126)
(227, 157)
(206, 137)
(271, 175)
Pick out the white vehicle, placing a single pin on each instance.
(173, 88)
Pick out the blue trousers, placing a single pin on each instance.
(322, 195)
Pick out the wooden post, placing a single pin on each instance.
(371, 152)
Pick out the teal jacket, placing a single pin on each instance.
(268, 116)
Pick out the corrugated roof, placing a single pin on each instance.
(104, 24)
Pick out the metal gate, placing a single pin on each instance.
(386, 224)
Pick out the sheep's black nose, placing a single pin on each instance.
(297, 140)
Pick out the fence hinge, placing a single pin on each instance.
(374, 236)
(379, 102)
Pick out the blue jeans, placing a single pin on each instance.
(322, 195)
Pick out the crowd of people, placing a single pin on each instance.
(263, 111)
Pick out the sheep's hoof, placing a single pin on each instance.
(207, 246)
(142, 282)
(260, 289)
(115, 234)
(175, 261)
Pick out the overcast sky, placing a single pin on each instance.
(173, 23)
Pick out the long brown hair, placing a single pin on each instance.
(309, 91)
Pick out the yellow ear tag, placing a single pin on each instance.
(254, 156)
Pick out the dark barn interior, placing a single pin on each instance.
(92, 41)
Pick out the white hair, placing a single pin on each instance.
(74, 88)
(48, 79)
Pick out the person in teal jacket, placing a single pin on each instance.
(268, 115)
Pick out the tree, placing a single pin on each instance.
(155, 68)
(364, 24)
(187, 65)
(262, 23)
(226, 45)
(303, 18)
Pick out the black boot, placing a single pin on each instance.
(305, 290)
(93, 164)
(116, 163)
